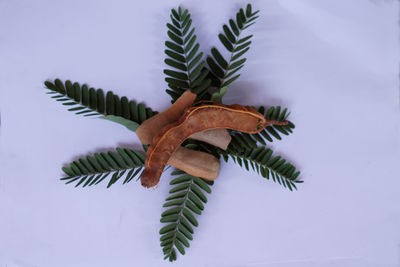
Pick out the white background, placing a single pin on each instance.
(334, 64)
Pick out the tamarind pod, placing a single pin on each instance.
(198, 119)
(193, 162)
(146, 131)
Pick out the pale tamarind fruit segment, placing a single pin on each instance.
(216, 137)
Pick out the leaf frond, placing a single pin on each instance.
(86, 101)
(93, 169)
(221, 68)
(261, 159)
(183, 56)
(186, 200)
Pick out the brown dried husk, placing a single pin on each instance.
(193, 162)
(197, 119)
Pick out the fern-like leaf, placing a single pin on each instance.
(242, 141)
(187, 200)
(225, 71)
(95, 102)
(183, 56)
(260, 159)
(93, 169)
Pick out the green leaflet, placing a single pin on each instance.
(217, 96)
(131, 125)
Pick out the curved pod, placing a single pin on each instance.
(197, 119)
(193, 162)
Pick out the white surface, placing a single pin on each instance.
(332, 63)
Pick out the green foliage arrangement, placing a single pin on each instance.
(209, 79)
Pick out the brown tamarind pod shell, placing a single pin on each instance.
(196, 119)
